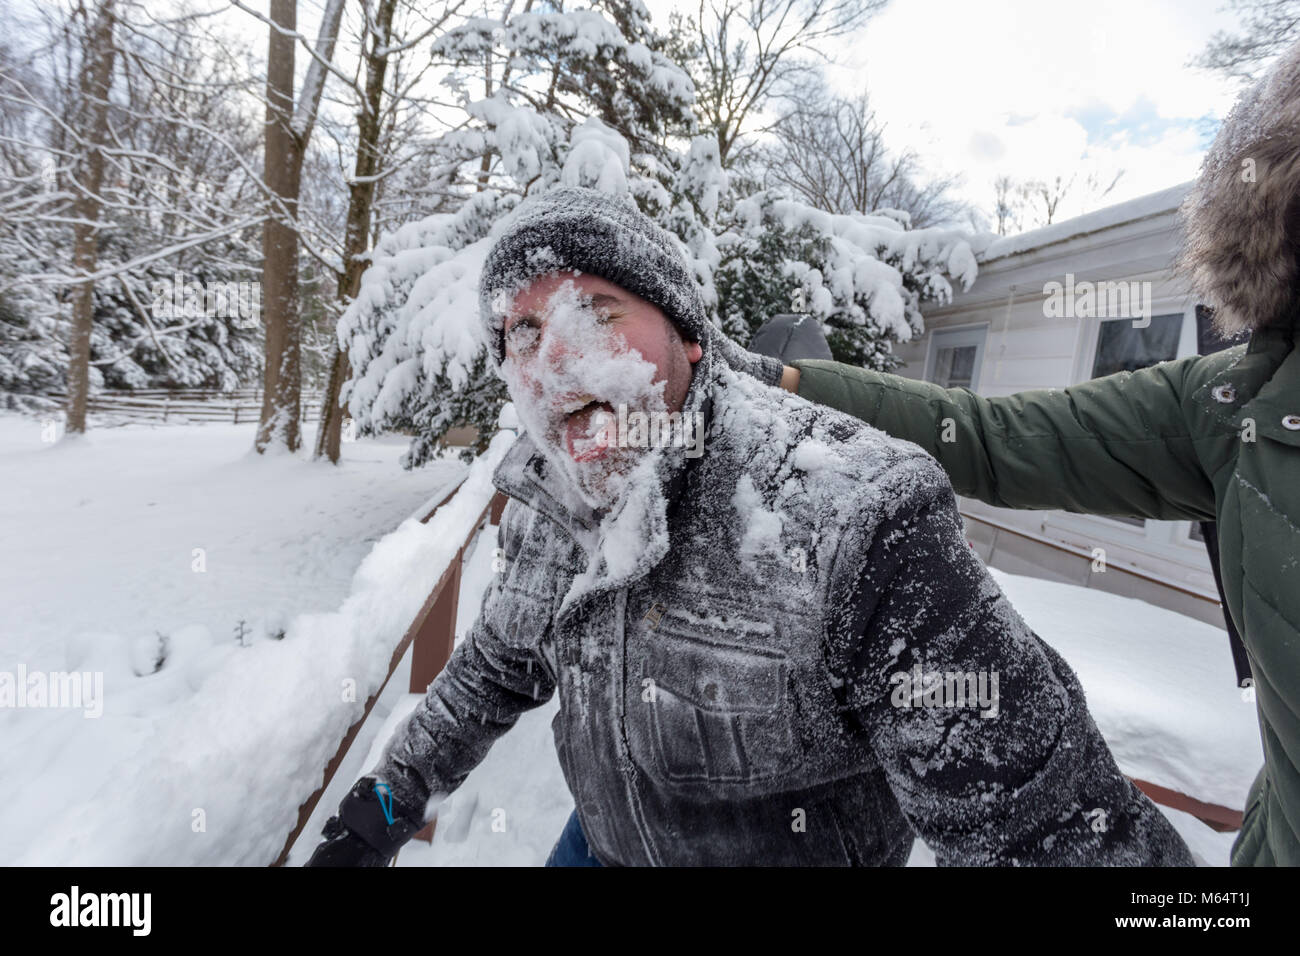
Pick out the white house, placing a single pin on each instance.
(1008, 334)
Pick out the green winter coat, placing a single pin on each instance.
(1202, 438)
(1168, 442)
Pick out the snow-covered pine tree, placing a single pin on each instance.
(204, 344)
(863, 277)
(207, 336)
(584, 98)
(32, 357)
(413, 333)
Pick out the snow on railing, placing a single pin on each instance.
(453, 522)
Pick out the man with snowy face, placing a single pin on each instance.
(771, 644)
(580, 354)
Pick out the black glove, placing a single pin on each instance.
(791, 336)
(360, 834)
(342, 847)
(762, 367)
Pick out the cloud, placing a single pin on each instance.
(1032, 89)
(987, 145)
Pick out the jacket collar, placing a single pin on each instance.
(1263, 379)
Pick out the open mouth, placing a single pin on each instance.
(587, 432)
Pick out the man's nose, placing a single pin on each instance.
(557, 350)
(551, 355)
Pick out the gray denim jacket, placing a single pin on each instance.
(794, 657)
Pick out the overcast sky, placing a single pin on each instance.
(1029, 88)
(1033, 88)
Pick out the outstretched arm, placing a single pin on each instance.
(1117, 445)
(982, 729)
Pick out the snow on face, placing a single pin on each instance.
(572, 364)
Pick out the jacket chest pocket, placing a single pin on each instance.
(711, 709)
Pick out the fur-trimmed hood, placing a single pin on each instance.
(1241, 221)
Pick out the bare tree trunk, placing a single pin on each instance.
(360, 204)
(282, 382)
(89, 179)
(485, 164)
(288, 131)
(330, 435)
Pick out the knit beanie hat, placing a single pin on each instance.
(574, 227)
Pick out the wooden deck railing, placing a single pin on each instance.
(1223, 819)
(431, 637)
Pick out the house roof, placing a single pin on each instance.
(1143, 207)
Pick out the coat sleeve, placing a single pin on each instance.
(486, 684)
(1118, 445)
(1003, 764)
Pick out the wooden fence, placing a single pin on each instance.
(188, 406)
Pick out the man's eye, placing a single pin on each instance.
(522, 336)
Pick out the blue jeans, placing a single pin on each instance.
(571, 848)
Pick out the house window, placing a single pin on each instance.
(1208, 340)
(955, 358)
(1124, 519)
(1107, 346)
(1123, 348)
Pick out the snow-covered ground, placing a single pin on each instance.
(129, 533)
(1160, 685)
(101, 533)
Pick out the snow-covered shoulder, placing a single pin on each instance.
(815, 466)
